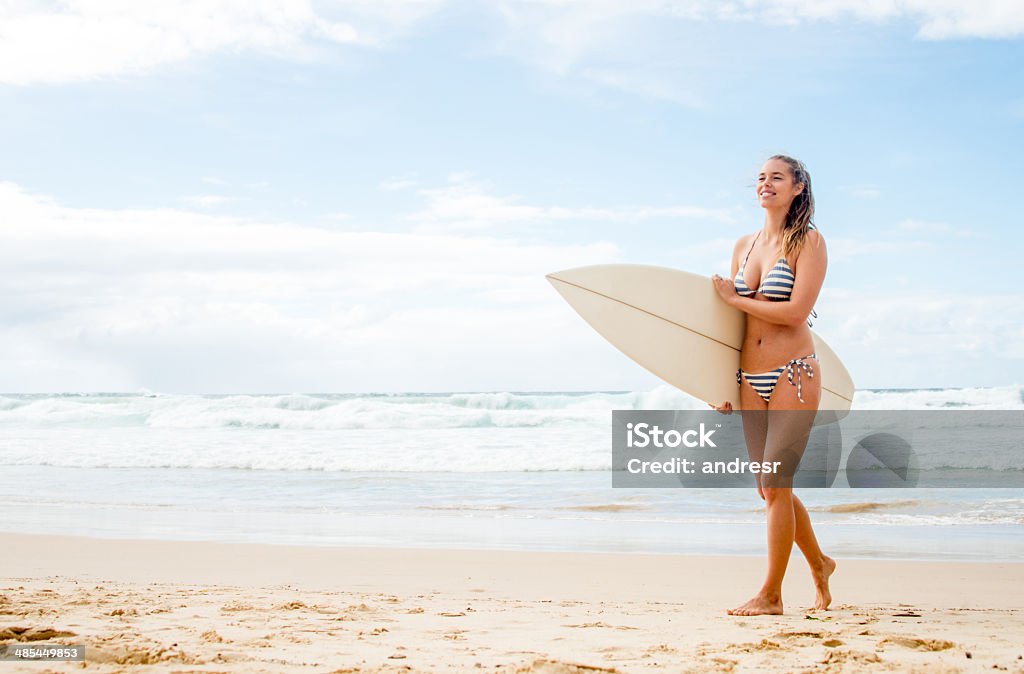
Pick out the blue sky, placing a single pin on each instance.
(295, 196)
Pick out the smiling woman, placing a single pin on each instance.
(790, 263)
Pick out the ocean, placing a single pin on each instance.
(499, 470)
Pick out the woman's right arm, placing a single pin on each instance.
(737, 251)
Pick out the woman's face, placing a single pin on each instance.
(775, 186)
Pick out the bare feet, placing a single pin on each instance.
(821, 575)
(759, 605)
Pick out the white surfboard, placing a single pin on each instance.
(675, 325)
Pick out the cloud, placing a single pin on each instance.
(582, 25)
(653, 48)
(396, 185)
(922, 339)
(206, 200)
(96, 299)
(949, 19)
(52, 43)
(466, 205)
(78, 40)
(935, 19)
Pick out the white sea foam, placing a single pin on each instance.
(416, 411)
(325, 412)
(995, 398)
(401, 432)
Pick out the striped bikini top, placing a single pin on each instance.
(777, 285)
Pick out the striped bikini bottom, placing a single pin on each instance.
(764, 382)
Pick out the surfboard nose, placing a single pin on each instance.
(553, 276)
(577, 276)
(564, 274)
(595, 276)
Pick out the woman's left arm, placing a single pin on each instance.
(813, 261)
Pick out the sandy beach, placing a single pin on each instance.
(207, 607)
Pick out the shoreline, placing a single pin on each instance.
(523, 548)
(133, 560)
(245, 607)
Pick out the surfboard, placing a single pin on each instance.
(674, 324)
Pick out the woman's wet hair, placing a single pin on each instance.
(799, 219)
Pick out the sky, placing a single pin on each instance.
(298, 196)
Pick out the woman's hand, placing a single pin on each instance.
(725, 288)
(724, 408)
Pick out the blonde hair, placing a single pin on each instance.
(801, 211)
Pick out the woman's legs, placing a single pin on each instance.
(788, 520)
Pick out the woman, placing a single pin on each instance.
(777, 273)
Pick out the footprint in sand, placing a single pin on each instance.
(32, 633)
(749, 647)
(123, 612)
(124, 654)
(660, 648)
(843, 658)
(211, 636)
(799, 635)
(918, 644)
(558, 667)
